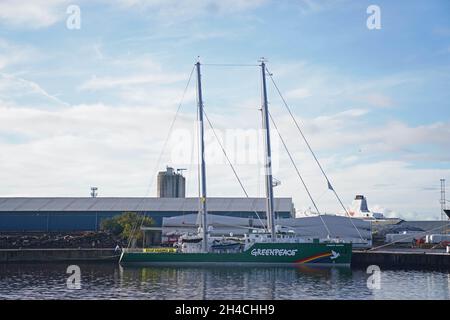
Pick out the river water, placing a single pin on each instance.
(109, 281)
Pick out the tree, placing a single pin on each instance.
(126, 225)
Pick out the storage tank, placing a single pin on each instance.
(171, 184)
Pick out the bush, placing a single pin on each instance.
(126, 224)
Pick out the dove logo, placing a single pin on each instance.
(334, 255)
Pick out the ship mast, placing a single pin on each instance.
(268, 156)
(204, 212)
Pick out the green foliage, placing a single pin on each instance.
(124, 225)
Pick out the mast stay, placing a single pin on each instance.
(330, 186)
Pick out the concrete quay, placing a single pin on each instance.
(402, 258)
(59, 255)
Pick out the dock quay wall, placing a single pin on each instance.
(360, 258)
(58, 255)
(401, 259)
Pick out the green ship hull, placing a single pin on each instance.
(282, 254)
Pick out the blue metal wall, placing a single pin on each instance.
(83, 221)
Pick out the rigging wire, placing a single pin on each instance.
(231, 165)
(160, 155)
(298, 174)
(227, 225)
(223, 150)
(189, 174)
(312, 152)
(225, 154)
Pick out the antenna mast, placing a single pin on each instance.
(268, 158)
(204, 212)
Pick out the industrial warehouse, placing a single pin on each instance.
(86, 214)
(57, 214)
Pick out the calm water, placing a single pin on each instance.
(109, 281)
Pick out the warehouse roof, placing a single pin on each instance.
(48, 204)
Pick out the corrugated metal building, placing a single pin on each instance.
(85, 214)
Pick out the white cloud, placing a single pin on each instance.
(12, 54)
(351, 129)
(306, 7)
(117, 148)
(32, 14)
(396, 186)
(191, 8)
(138, 80)
(376, 160)
(298, 93)
(44, 13)
(13, 87)
(378, 100)
(322, 87)
(99, 83)
(64, 150)
(160, 96)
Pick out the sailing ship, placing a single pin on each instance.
(273, 245)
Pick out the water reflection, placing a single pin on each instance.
(109, 281)
(242, 283)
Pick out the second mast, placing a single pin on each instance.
(203, 166)
(268, 158)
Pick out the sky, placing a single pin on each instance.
(89, 89)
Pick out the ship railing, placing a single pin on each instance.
(132, 250)
(151, 250)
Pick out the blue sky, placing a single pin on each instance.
(92, 106)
